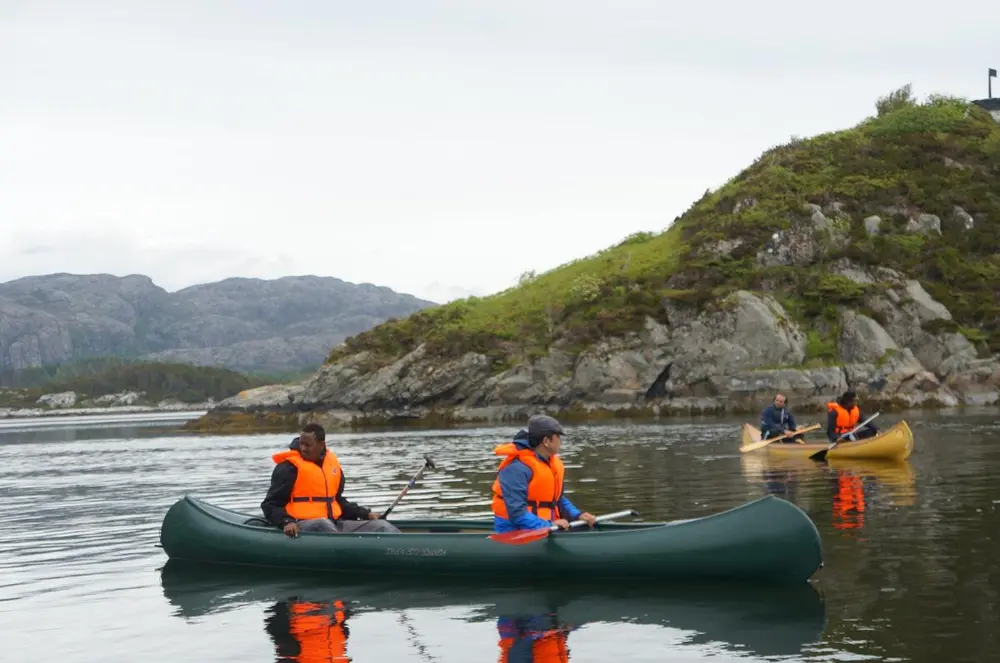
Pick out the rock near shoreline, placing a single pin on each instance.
(901, 349)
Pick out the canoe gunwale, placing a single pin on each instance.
(735, 544)
(845, 450)
(482, 527)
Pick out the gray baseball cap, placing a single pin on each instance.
(542, 425)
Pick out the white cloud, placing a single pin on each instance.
(437, 148)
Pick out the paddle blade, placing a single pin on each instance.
(760, 444)
(519, 537)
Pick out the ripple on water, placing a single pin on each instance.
(81, 521)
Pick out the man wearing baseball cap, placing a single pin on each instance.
(528, 490)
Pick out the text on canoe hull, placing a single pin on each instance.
(416, 552)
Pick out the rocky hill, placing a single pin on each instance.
(864, 258)
(239, 323)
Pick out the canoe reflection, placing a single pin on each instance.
(852, 487)
(766, 621)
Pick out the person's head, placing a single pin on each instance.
(849, 399)
(544, 435)
(779, 400)
(312, 441)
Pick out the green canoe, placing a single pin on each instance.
(767, 540)
(761, 620)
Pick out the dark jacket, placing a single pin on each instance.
(775, 422)
(283, 480)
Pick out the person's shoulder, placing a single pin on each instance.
(516, 466)
(284, 467)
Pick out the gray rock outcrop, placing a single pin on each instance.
(731, 357)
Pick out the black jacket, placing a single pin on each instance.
(280, 492)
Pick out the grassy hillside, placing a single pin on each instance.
(911, 158)
(99, 377)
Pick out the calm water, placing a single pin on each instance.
(912, 550)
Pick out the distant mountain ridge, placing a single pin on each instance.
(244, 324)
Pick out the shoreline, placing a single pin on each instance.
(35, 413)
(269, 421)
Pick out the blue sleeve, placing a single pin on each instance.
(765, 418)
(514, 484)
(791, 422)
(567, 507)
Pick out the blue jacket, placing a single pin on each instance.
(514, 483)
(775, 422)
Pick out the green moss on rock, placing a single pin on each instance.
(911, 159)
(243, 422)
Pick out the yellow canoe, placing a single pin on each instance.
(894, 443)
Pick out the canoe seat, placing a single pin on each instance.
(258, 522)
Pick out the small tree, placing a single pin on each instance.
(895, 100)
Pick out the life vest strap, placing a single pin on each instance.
(535, 506)
(328, 500)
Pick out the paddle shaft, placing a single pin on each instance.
(416, 477)
(859, 426)
(521, 537)
(760, 444)
(608, 516)
(856, 429)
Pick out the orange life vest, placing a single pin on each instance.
(545, 487)
(846, 419)
(322, 636)
(314, 494)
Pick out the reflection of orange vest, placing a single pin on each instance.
(846, 419)
(322, 636)
(849, 502)
(546, 647)
(314, 494)
(545, 487)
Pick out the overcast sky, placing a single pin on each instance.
(438, 148)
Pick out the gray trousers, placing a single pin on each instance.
(327, 525)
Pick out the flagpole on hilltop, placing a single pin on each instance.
(989, 83)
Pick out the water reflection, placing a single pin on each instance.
(536, 639)
(307, 619)
(852, 486)
(308, 631)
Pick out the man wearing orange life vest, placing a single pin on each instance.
(528, 490)
(844, 415)
(307, 487)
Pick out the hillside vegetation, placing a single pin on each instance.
(101, 377)
(940, 157)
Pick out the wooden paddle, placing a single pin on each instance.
(821, 454)
(521, 536)
(753, 446)
(416, 477)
